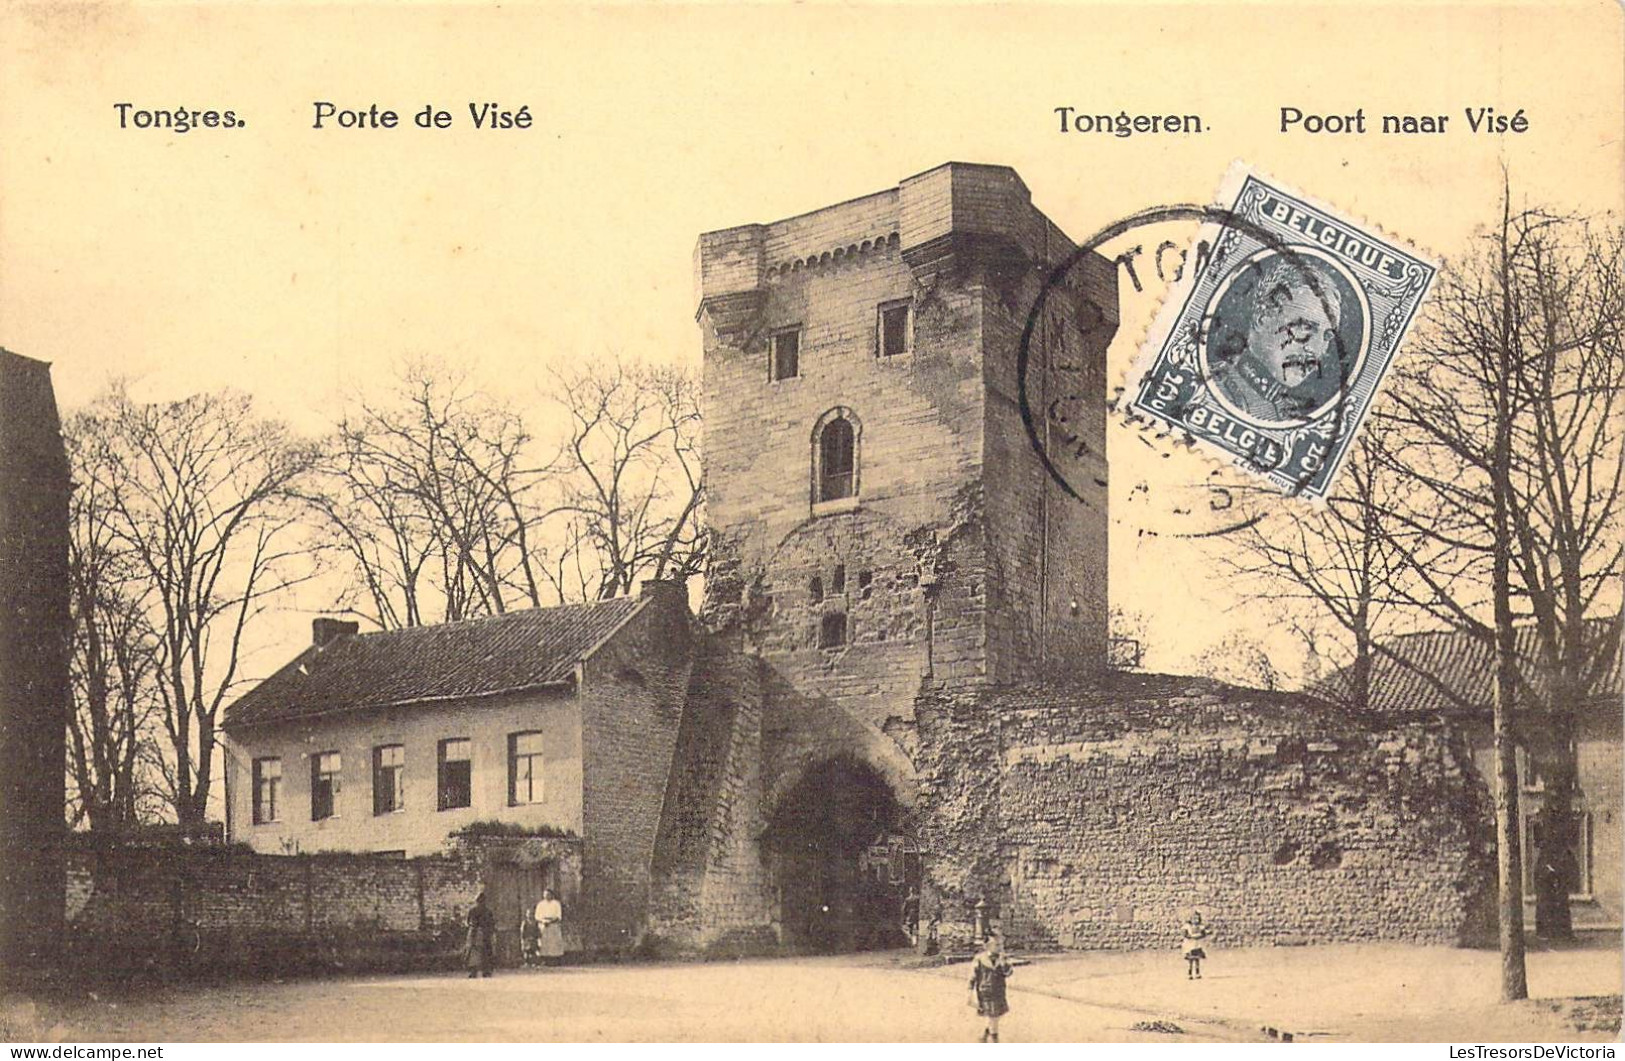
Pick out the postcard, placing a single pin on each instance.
(740, 522)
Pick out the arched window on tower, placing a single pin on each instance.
(835, 457)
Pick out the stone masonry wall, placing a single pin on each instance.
(959, 559)
(196, 911)
(1099, 816)
(1087, 815)
(912, 599)
(631, 704)
(904, 565)
(917, 414)
(1048, 551)
(918, 419)
(713, 891)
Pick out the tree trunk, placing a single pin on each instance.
(1508, 844)
(1557, 868)
(1361, 693)
(1509, 858)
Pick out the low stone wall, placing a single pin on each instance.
(1100, 816)
(211, 911)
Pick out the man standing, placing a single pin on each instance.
(482, 927)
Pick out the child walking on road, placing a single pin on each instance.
(987, 976)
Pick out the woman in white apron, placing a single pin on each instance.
(550, 916)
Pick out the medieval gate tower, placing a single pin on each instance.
(884, 525)
(883, 517)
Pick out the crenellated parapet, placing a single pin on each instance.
(964, 220)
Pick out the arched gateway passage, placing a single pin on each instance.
(847, 869)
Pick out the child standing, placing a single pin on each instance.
(1194, 932)
(530, 939)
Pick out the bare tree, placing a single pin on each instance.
(446, 505)
(198, 494)
(1510, 416)
(632, 485)
(1348, 561)
(114, 654)
(432, 500)
(1238, 660)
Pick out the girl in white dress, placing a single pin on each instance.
(1195, 932)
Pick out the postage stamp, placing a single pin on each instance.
(1273, 351)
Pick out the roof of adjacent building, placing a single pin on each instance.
(507, 653)
(1453, 672)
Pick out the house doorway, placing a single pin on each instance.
(512, 888)
(848, 872)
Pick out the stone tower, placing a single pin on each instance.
(884, 521)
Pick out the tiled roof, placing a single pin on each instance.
(477, 657)
(1450, 672)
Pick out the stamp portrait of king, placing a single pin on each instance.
(1284, 336)
(1274, 351)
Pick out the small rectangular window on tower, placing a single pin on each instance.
(832, 630)
(893, 337)
(784, 355)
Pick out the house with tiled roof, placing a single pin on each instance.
(1450, 675)
(557, 722)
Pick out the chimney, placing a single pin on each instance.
(671, 592)
(325, 631)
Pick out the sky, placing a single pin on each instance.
(303, 264)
